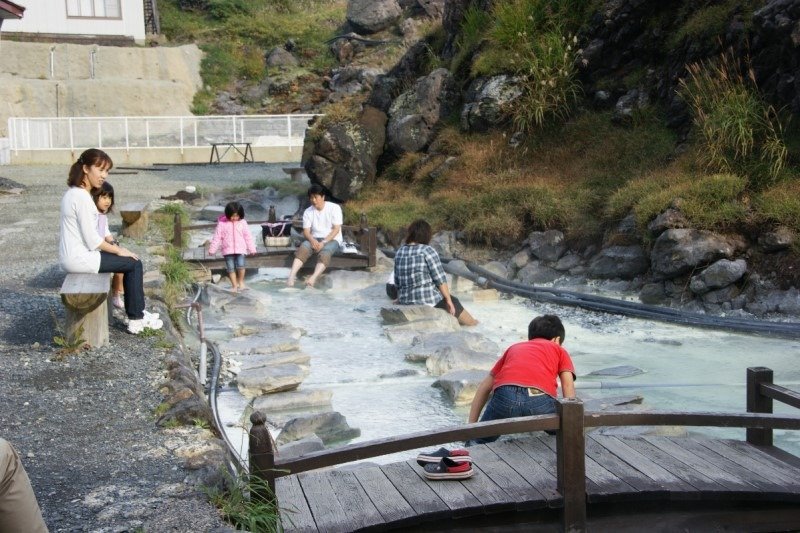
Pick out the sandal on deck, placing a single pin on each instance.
(459, 455)
(448, 469)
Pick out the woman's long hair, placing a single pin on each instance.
(92, 157)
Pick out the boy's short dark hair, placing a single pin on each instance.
(317, 189)
(234, 208)
(546, 327)
(419, 232)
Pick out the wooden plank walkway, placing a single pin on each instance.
(520, 475)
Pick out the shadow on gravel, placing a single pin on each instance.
(49, 278)
(30, 317)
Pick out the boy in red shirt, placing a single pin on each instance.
(523, 381)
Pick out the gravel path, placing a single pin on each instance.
(85, 425)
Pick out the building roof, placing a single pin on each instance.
(10, 10)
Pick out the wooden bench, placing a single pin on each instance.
(296, 173)
(243, 149)
(86, 298)
(135, 220)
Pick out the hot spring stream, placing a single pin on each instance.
(684, 369)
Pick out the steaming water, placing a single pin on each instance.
(685, 369)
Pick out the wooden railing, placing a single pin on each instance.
(569, 423)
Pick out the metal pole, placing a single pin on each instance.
(757, 403)
(289, 132)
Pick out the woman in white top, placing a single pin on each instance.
(83, 250)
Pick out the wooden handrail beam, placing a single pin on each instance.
(782, 394)
(375, 448)
(723, 420)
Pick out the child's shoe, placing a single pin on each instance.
(117, 302)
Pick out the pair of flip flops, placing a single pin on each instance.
(446, 464)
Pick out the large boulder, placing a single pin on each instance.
(535, 273)
(460, 385)
(671, 218)
(343, 155)
(256, 360)
(270, 379)
(272, 343)
(623, 262)
(415, 114)
(452, 358)
(776, 240)
(547, 245)
(427, 345)
(718, 275)
(402, 314)
(678, 251)
(370, 16)
(296, 399)
(330, 427)
(281, 57)
(487, 101)
(301, 447)
(433, 8)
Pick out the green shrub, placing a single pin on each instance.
(222, 9)
(473, 29)
(549, 79)
(175, 269)
(238, 505)
(707, 202)
(738, 131)
(715, 201)
(780, 204)
(711, 21)
(218, 67)
(533, 39)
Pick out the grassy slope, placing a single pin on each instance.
(582, 175)
(236, 34)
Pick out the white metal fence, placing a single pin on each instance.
(26, 133)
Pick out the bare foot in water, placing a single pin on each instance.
(290, 282)
(310, 282)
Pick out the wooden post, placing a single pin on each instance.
(262, 455)
(177, 234)
(756, 403)
(135, 220)
(571, 461)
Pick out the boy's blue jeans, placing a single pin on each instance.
(511, 401)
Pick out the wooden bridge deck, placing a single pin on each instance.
(520, 476)
(273, 257)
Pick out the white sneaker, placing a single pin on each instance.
(153, 316)
(152, 323)
(135, 326)
(117, 302)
